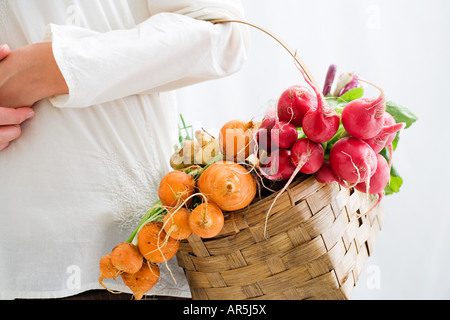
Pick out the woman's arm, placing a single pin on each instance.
(28, 75)
(10, 119)
(174, 47)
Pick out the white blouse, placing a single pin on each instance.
(88, 165)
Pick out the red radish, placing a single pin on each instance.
(390, 121)
(279, 166)
(384, 137)
(353, 160)
(314, 155)
(263, 133)
(268, 122)
(283, 134)
(364, 118)
(293, 105)
(378, 181)
(263, 140)
(319, 124)
(326, 174)
(307, 157)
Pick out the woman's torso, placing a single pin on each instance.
(77, 181)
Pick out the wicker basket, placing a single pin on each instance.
(315, 247)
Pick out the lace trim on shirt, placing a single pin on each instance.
(133, 189)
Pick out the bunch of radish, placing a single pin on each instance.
(342, 144)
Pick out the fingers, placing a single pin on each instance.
(8, 134)
(4, 51)
(11, 116)
(10, 120)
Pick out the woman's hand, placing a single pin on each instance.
(10, 119)
(28, 75)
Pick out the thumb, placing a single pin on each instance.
(10, 116)
(4, 51)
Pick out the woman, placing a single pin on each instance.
(87, 165)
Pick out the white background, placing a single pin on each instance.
(400, 45)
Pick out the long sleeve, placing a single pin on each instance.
(175, 47)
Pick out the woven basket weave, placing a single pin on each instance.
(315, 247)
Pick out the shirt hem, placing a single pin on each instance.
(166, 292)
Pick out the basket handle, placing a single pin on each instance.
(283, 44)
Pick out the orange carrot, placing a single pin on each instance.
(175, 188)
(236, 139)
(107, 269)
(206, 220)
(155, 245)
(143, 280)
(126, 258)
(229, 185)
(176, 224)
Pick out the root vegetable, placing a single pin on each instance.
(278, 166)
(353, 160)
(237, 140)
(143, 280)
(268, 122)
(227, 184)
(378, 181)
(126, 258)
(343, 80)
(294, 103)
(155, 245)
(283, 134)
(320, 124)
(262, 136)
(308, 155)
(207, 152)
(184, 157)
(263, 140)
(206, 220)
(176, 224)
(326, 174)
(384, 137)
(175, 188)
(331, 75)
(354, 83)
(363, 118)
(107, 270)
